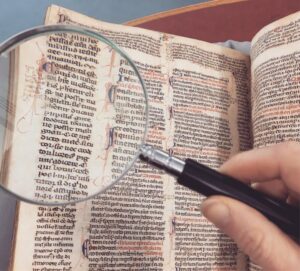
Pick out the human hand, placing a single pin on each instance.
(276, 171)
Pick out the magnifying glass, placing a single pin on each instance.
(74, 115)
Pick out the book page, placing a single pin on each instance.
(275, 59)
(199, 108)
(275, 56)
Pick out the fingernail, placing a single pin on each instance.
(216, 212)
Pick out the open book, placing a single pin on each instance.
(206, 102)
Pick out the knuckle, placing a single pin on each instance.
(255, 244)
(288, 154)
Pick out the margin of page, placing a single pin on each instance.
(14, 238)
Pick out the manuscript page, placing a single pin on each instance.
(199, 108)
(275, 73)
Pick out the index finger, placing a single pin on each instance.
(279, 161)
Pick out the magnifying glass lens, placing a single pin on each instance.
(73, 115)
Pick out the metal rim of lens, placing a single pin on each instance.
(26, 35)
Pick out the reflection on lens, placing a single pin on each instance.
(73, 115)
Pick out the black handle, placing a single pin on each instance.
(210, 182)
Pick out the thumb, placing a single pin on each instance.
(254, 234)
